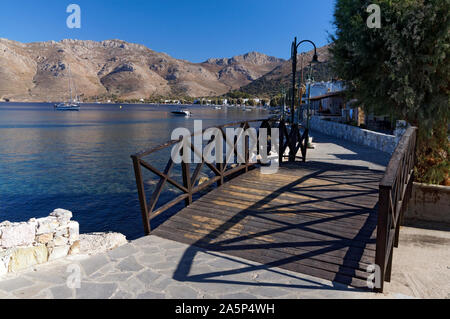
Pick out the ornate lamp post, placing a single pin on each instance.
(294, 48)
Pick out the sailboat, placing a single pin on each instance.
(73, 104)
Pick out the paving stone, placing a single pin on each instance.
(201, 270)
(4, 295)
(132, 284)
(114, 277)
(182, 292)
(148, 277)
(14, 284)
(239, 295)
(122, 252)
(272, 277)
(55, 276)
(217, 288)
(162, 283)
(151, 295)
(90, 290)
(268, 292)
(94, 264)
(129, 264)
(143, 241)
(30, 292)
(222, 263)
(149, 260)
(164, 266)
(62, 292)
(122, 295)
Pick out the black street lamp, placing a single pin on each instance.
(315, 59)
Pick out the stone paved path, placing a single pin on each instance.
(149, 268)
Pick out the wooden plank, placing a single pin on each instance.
(242, 229)
(269, 207)
(294, 219)
(266, 257)
(281, 239)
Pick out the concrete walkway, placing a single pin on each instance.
(150, 266)
(338, 151)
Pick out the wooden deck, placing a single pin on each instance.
(313, 218)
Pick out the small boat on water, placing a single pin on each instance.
(73, 104)
(67, 106)
(182, 112)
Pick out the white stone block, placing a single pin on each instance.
(62, 215)
(74, 231)
(58, 252)
(5, 256)
(25, 257)
(46, 225)
(60, 241)
(62, 231)
(17, 235)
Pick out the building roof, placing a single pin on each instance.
(330, 94)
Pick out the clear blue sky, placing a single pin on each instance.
(190, 29)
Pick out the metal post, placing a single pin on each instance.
(294, 71)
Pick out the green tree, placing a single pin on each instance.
(401, 69)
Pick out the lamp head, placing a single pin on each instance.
(315, 58)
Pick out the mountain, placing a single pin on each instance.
(280, 77)
(38, 71)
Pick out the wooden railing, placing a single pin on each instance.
(289, 137)
(394, 194)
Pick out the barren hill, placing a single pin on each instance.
(38, 71)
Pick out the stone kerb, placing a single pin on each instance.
(37, 241)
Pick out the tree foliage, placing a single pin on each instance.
(401, 69)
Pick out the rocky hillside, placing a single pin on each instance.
(38, 71)
(280, 77)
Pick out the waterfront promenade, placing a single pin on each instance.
(154, 267)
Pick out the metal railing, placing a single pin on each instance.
(289, 137)
(394, 194)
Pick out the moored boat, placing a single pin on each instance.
(73, 104)
(182, 112)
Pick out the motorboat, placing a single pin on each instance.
(182, 112)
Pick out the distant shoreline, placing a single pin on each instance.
(93, 103)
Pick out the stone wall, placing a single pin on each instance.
(382, 142)
(429, 203)
(37, 241)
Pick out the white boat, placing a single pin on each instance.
(73, 104)
(64, 106)
(182, 112)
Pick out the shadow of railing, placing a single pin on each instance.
(341, 192)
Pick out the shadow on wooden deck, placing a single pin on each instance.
(313, 218)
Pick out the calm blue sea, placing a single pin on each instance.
(80, 161)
